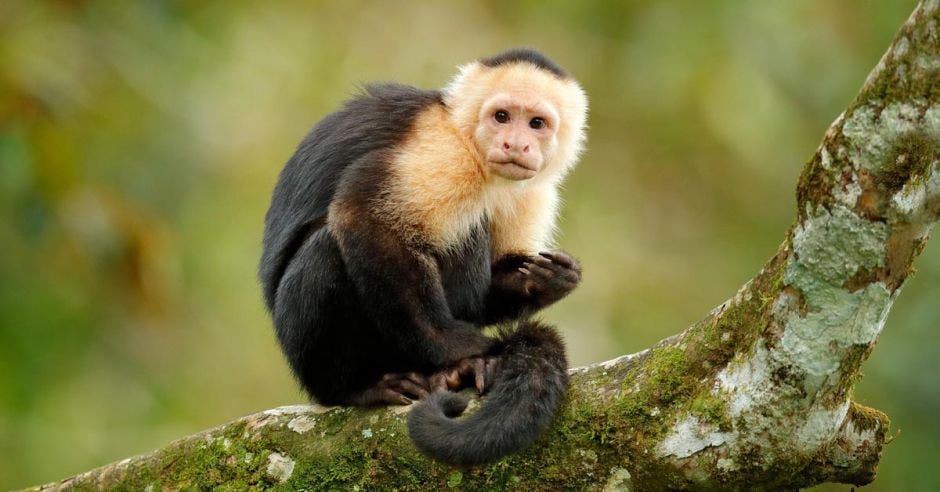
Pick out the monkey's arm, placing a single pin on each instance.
(401, 290)
(523, 284)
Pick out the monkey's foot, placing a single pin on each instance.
(476, 371)
(394, 389)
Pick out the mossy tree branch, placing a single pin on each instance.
(757, 394)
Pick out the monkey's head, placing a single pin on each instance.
(524, 114)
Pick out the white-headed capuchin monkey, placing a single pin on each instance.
(410, 219)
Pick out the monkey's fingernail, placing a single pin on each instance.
(540, 270)
(524, 271)
(560, 258)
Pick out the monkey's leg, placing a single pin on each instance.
(523, 284)
(403, 295)
(331, 347)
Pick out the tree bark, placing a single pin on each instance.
(755, 395)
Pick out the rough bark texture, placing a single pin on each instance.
(755, 395)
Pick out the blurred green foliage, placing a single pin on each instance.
(139, 143)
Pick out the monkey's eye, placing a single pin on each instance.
(501, 116)
(536, 123)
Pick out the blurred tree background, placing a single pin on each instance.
(139, 143)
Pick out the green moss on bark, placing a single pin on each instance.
(913, 154)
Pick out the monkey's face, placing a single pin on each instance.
(516, 134)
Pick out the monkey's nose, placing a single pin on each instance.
(506, 145)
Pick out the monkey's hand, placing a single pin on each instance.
(544, 279)
(476, 371)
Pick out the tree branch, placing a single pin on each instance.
(756, 394)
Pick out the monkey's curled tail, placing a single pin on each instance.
(527, 390)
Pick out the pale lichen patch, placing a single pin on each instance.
(295, 409)
(916, 201)
(901, 46)
(821, 424)
(931, 120)
(830, 247)
(726, 465)
(301, 424)
(619, 481)
(689, 436)
(610, 363)
(848, 193)
(280, 467)
(746, 380)
(817, 342)
(872, 131)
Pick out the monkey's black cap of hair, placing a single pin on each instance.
(527, 55)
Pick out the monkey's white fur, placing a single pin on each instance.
(444, 186)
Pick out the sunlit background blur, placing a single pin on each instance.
(139, 144)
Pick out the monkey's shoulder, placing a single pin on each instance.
(382, 115)
(376, 121)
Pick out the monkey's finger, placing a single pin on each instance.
(479, 374)
(566, 279)
(560, 258)
(565, 275)
(492, 364)
(393, 397)
(406, 386)
(464, 366)
(438, 382)
(568, 273)
(453, 379)
(418, 379)
(572, 275)
(538, 271)
(556, 268)
(564, 285)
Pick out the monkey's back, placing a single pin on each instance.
(375, 120)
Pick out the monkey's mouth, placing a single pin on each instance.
(514, 170)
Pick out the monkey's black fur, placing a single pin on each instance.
(528, 389)
(352, 302)
(375, 121)
(527, 55)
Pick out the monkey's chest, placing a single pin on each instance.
(465, 275)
